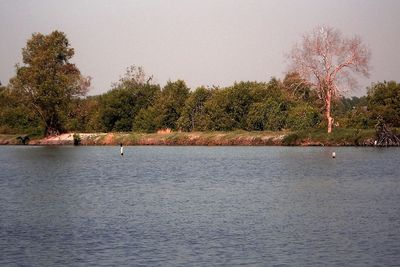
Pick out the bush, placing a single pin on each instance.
(267, 115)
(291, 139)
(77, 139)
(303, 116)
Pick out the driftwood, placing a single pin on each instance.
(385, 137)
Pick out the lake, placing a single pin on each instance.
(199, 206)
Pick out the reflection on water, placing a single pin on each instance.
(199, 206)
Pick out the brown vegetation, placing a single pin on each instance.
(317, 137)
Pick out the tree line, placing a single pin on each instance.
(48, 96)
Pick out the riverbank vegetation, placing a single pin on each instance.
(48, 97)
(318, 137)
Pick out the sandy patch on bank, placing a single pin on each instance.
(62, 139)
(109, 139)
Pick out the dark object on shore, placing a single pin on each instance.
(385, 137)
(24, 139)
(77, 139)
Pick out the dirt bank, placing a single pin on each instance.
(345, 137)
(171, 138)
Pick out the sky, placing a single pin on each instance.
(203, 42)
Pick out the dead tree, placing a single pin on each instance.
(327, 60)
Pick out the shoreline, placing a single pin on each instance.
(234, 138)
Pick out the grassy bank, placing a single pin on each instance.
(173, 138)
(315, 137)
(339, 137)
(9, 139)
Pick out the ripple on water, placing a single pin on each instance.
(199, 206)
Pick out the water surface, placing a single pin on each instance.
(199, 206)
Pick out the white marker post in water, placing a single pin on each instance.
(122, 150)
(333, 154)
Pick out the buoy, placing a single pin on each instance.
(122, 150)
(333, 155)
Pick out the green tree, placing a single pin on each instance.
(239, 101)
(261, 91)
(47, 82)
(15, 116)
(359, 117)
(267, 115)
(227, 108)
(303, 116)
(123, 102)
(217, 108)
(84, 115)
(298, 88)
(170, 104)
(193, 116)
(147, 120)
(351, 112)
(384, 101)
(269, 108)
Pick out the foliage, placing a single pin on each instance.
(146, 120)
(48, 94)
(303, 116)
(77, 139)
(267, 115)
(291, 139)
(217, 112)
(384, 101)
(341, 136)
(358, 117)
(165, 110)
(228, 108)
(120, 105)
(47, 81)
(15, 116)
(193, 117)
(298, 88)
(170, 104)
(239, 99)
(84, 115)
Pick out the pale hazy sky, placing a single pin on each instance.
(204, 42)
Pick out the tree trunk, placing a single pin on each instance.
(52, 126)
(328, 111)
(51, 131)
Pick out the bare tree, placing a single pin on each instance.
(134, 75)
(328, 62)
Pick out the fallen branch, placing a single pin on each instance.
(385, 137)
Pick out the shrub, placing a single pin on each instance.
(77, 139)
